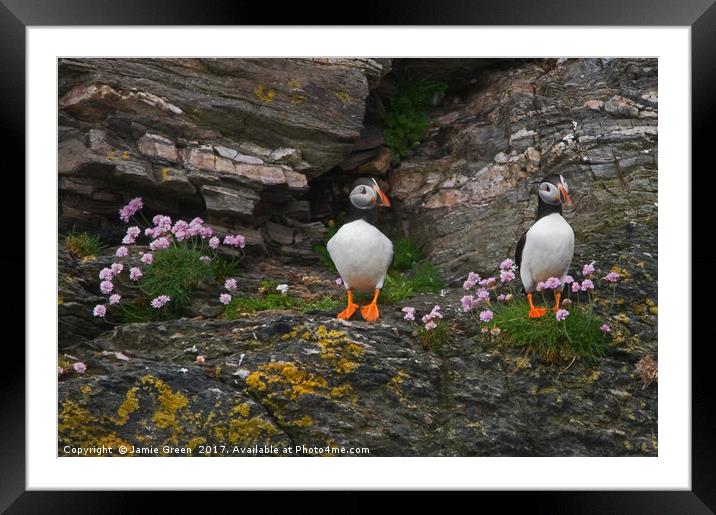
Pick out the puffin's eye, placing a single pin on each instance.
(362, 190)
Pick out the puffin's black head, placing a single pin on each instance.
(553, 190)
(366, 194)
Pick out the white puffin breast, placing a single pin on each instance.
(548, 251)
(362, 255)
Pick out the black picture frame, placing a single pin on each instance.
(17, 15)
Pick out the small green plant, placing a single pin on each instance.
(82, 244)
(435, 338)
(545, 323)
(242, 306)
(423, 277)
(406, 255)
(161, 282)
(434, 331)
(176, 272)
(577, 336)
(406, 118)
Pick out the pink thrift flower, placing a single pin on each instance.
(214, 243)
(576, 287)
(117, 268)
(158, 302)
(106, 287)
(540, 286)
(339, 281)
(588, 269)
(561, 314)
(472, 280)
(486, 315)
(79, 367)
(507, 264)
(225, 298)
(160, 243)
(409, 313)
(149, 232)
(495, 331)
(206, 232)
(486, 283)
(430, 325)
(466, 302)
(205, 259)
(435, 313)
(122, 252)
(196, 221)
(566, 302)
(230, 284)
(551, 284)
(484, 330)
(114, 299)
(235, 241)
(483, 295)
(147, 258)
(568, 279)
(135, 273)
(506, 276)
(612, 277)
(587, 284)
(605, 328)
(502, 297)
(106, 274)
(60, 371)
(283, 288)
(130, 209)
(100, 310)
(131, 235)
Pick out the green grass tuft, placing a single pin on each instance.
(578, 336)
(176, 271)
(406, 255)
(82, 244)
(422, 278)
(240, 306)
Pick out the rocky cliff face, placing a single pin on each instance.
(235, 139)
(266, 148)
(468, 193)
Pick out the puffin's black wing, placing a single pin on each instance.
(520, 248)
(518, 253)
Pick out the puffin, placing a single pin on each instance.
(547, 248)
(361, 253)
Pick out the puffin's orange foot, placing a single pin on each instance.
(537, 312)
(370, 312)
(348, 312)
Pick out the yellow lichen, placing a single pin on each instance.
(395, 381)
(165, 173)
(298, 99)
(264, 94)
(240, 409)
(59, 300)
(294, 84)
(128, 406)
(344, 97)
(169, 403)
(294, 380)
(86, 389)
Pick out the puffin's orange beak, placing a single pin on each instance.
(384, 201)
(564, 192)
